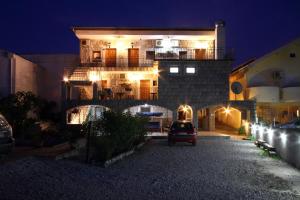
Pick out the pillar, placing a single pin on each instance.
(174, 115)
(211, 119)
(95, 91)
(195, 118)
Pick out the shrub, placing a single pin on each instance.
(242, 130)
(115, 133)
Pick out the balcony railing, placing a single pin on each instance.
(119, 62)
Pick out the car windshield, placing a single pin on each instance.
(182, 126)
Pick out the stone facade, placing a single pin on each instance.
(208, 86)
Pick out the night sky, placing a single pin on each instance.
(254, 27)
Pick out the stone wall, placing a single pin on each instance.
(208, 86)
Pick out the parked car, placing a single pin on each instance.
(291, 124)
(182, 131)
(7, 142)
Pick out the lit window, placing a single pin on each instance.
(174, 70)
(190, 70)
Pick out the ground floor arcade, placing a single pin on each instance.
(231, 116)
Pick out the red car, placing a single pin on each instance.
(182, 131)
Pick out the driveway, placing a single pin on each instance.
(214, 169)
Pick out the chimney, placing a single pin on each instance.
(220, 40)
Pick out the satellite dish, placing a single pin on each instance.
(236, 87)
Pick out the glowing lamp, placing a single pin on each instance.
(93, 76)
(65, 79)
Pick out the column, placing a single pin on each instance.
(95, 91)
(195, 118)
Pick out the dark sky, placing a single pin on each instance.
(254, 27)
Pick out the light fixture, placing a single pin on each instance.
(66, 79)
(134, 76)
(93, 76)
(155, 71)
(283, 137)
(227, 110)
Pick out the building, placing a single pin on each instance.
(40, 74)
(18, 74)
(170, 74)
(273, 81)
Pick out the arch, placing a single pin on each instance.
(79, 114)
(159, 116)
(228, 119)
(185, 112)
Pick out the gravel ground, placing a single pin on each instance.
(214, 169)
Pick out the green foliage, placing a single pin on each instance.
(242, 130)
(23, 109)
(115, 133)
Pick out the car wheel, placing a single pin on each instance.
(194, 143)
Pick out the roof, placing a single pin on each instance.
(243, 65)
(142, 28)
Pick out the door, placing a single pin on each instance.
(144, 89)
(110, 57)
(133, 57)
(200, 54)
(103, 84)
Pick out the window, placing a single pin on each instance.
(150, 55)
(96, 55)
(174, 70)
(154, 83)
(190, 70)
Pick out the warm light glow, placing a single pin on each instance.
(185, 109)
(174, 70)
(201, 44)
(120, 45)
(298, 113)
(65, 79)
(93, 76)
(227, 110)
(135, 76)
(155, 71)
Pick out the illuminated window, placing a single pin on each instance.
(190, 70)
(174, 70)
(96, 55)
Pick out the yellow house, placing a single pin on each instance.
(273, 81)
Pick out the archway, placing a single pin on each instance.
(228, 119)
(185, 112)
(80, 114)
(159, 117)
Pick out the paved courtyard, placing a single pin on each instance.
(214, 169)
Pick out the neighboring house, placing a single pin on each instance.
(274, 82)
(53, 65)
(38, 73)
(167, 74)
(18, 74)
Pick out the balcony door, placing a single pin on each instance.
(110, 57)
(144, 89)
(133, 57)
(200, 54)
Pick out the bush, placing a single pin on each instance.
(242, 130)
(115, 133)
(23, 109)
